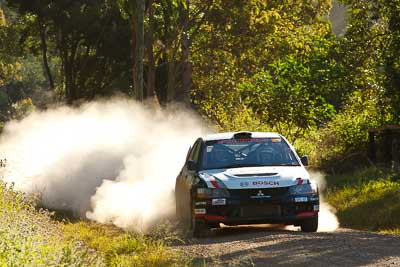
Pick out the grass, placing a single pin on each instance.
(121, 248)
(31, 237)
(367, 199)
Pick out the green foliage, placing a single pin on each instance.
(3, 21)
(394, 231)
(29, 237)
(273, 63)
(234, 117)
(21, 72)
(120, 248)
(8, 71)
(283, 99)
(84, 36)
(10, 54)
(368, 199)
(371, 48)
(256, 65)
(9, 65)
(32, 237)
(22, 108)
(346, 135)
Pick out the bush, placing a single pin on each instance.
(29, 237)
(342, 144)
(22, 108)
(32, 237)
(367, 199)
(121, 248)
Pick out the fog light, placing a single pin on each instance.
(199, 211)
(218, 201)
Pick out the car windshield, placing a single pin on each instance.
(235, 153)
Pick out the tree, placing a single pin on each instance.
(259, 58)
(151, 72)
(170, 27)
(84, 35)
(369, 50)
(43, 39)
(9, 64)
(139, 49)
(286, 98)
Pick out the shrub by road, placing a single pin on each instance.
(31, 237)
(366, 199)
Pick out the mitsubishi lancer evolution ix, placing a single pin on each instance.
(245, 178)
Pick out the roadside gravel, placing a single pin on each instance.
(266, 246)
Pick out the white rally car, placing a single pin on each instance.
(245, 178)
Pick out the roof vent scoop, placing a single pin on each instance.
(242, 135)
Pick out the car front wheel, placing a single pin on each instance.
(309, 225)
(200, 228)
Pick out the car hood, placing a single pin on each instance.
(254, 177)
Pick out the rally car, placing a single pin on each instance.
(245, 178)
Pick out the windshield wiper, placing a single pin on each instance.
(287, 164)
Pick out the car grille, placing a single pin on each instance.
(260, 211)
(254, 192)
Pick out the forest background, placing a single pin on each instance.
(244, 64)
(321, 72)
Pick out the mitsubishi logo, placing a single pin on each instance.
(260, 194)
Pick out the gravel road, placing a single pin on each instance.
(266, 246)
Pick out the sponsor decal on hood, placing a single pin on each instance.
(254, 177)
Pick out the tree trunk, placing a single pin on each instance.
(68, 62)
(65, 67)
(42, 31)
(140, 9)
(151, 74)
(186, 67)
(171, 81)
(133, 53)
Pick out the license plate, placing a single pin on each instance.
(218, 201)
(260, 211)
(300, 199)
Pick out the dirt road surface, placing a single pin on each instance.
(266, 246)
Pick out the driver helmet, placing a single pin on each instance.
(221, 155)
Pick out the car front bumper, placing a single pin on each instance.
(287, 209)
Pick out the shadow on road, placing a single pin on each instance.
(276, 246)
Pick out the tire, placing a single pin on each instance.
(215, 225)
(186, 215)
(309, 225)
(200, 228)
(179, 211)
(183, 211)
(179, 214)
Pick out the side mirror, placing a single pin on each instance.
(191, 165)
(304, 160)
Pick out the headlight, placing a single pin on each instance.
(307, 188)
(212, 193)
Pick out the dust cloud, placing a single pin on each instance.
(327, 220)
(112, 162)
(337, 17)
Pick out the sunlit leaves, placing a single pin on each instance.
(283, 99)
(2, 18)
(371, 47)
(271, 59)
